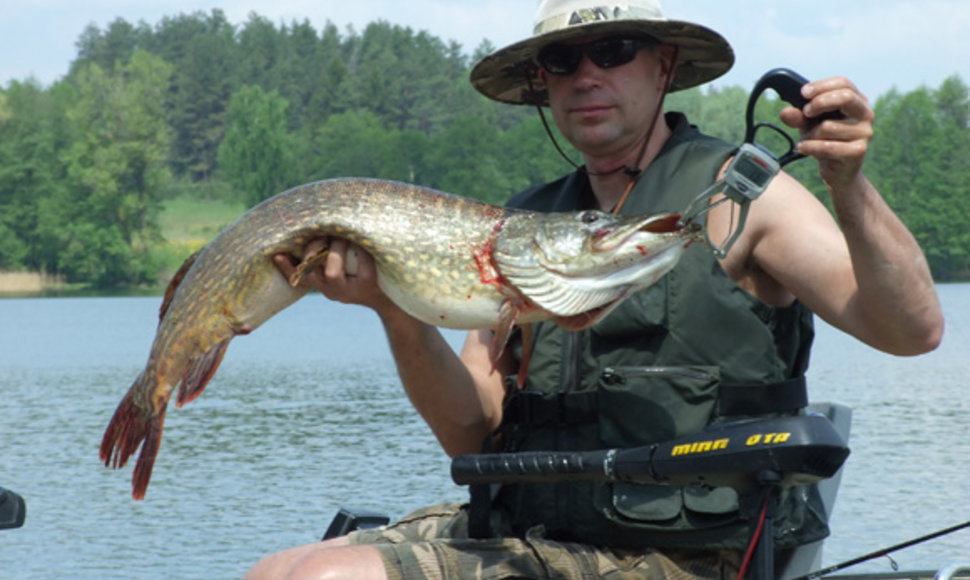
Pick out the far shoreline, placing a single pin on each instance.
(22, 284)
(28, 283)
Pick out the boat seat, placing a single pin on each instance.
(350, 519)
(808, 558)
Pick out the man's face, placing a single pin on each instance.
(605, 112)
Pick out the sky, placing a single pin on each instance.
(878, 44)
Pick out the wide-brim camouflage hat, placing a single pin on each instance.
(505, 75)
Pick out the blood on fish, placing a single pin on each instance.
(487, 272)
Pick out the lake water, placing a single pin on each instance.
(306, 415)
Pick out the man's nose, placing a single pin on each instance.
(587, 73)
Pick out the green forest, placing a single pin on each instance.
(194, 111)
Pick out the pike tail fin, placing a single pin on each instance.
(130, 427)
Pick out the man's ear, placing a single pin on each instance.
(668, 65)
(541, 74)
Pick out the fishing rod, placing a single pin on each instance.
(883, 552)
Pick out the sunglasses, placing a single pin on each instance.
(564, 59)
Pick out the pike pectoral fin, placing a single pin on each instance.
(130, 427)
(314, 254)
(203, 369)
(508, 314)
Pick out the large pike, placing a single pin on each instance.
(448, 261)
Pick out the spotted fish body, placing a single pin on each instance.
(447, 260)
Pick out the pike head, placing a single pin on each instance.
(578, 266)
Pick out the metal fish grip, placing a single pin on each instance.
(754, 166)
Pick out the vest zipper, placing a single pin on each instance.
(570, 380)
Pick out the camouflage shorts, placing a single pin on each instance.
(433, 544)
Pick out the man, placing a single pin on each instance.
(660, 365)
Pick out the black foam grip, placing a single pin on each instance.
(538, 466)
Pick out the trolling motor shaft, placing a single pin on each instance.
(802, 449)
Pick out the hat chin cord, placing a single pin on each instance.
(634, 172)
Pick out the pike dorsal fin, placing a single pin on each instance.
(174, 284)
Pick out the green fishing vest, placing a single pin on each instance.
(651, 371)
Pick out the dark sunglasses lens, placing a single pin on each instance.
(612, 52)
(564, 59)
(560, 59)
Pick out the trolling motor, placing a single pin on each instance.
(758, 458)
(800, 450)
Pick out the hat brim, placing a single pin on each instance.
(505, 75)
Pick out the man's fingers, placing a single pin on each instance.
(336, 260)
(284, 263)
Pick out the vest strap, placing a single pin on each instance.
(479, 511)
(555, 409)
(757, 399)
(537, 409)
(480, 496)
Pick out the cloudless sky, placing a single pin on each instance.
(879, 44)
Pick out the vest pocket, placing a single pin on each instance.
(643, 314)
(643, 405)
(662, 507)
(647, 503)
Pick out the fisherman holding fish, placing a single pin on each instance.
(666, 361)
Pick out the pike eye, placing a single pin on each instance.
(589, 217)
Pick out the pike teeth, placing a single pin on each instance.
(653, 224)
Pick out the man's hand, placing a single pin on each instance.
(346, 273)
(839, 145)
(867, 277)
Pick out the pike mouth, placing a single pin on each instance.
(608, 239)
